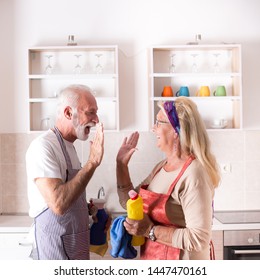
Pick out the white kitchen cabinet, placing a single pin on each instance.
(53, 68)
(14, 246)
(195, 66)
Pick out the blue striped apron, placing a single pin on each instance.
(64, 237)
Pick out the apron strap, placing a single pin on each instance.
(185, 166)
(212, 250)
(63, 147)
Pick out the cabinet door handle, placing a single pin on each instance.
(246, 252)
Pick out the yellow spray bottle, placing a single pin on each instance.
(134, 208)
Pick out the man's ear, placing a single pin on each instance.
(68, 113)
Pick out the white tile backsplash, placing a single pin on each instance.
(252, 145)
(239, 189)
(252, 199)
(227, 145)
(252, 176)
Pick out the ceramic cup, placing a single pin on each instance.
(167, 91)
(203, 91)
(220, 91)
(183, 91)
(46, 123)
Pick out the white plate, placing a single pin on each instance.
(218, 126)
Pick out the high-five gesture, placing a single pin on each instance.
(97, 146)
(127, 149)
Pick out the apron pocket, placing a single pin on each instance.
(76, 245)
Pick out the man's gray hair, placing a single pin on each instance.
(69, 96)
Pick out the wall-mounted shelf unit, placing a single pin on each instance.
(195, 66)
(52, 68)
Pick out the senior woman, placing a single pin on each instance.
(178, 194)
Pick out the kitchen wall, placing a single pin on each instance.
(239, 188)
(134, 26)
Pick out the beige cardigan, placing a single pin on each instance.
(190, 207)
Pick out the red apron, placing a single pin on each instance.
(154, 206)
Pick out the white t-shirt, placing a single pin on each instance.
(45, 159)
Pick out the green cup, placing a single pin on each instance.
(220, 91)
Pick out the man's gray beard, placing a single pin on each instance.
(80, 129)
(80, 132)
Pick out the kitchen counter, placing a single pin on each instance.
(14, 228)
(217, 225)
(22, 223)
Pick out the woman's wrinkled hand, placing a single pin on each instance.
(127, 149)
(138, 227)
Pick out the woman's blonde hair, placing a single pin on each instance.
(193, 136)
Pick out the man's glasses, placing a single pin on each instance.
(158, 123)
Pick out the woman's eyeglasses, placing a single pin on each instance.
(158, 123)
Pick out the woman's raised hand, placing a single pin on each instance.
(127, 149)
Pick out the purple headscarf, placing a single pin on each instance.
(170, 109)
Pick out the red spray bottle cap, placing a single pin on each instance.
(133, 194)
